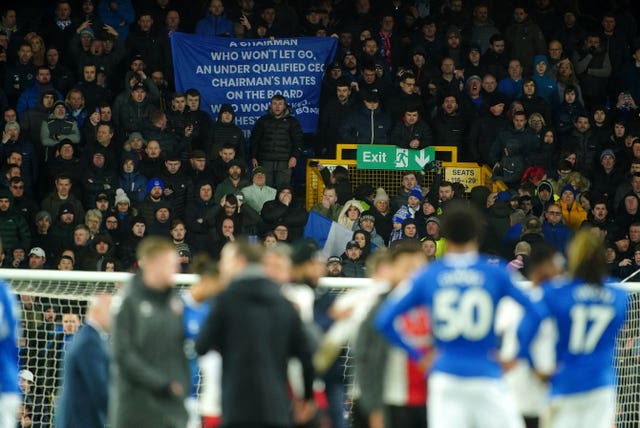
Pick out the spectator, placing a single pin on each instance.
(178, 187)
(411, 131)
(533, 103)
(350, 214)
(352, 264)
(511, 149)
(366, 222)
(149, 43)
(382, 214)
(99, 253)
(155, 196)
(29, 97)
(573, 214)
(511, 86)
(131, 115)
(126, 252)
(333, 115)
(329, 206)
(132, 182)
(607, 177)
(593, 68)
(495, 59)
(449, 124)
(32, 119)
(407, 97)
(201, 121)
(525, 38)
(583, 142)
(98, 178)
(276, 142)
(14, 230)
(338, 178)
(41, 236)
(58, 128)
(20, 76)
(92, 93)
(200, 215)
(486, 128)
(258, 193)
(368, 124)
(37, 258)
(170, 143)
(216, 22)
(118, 14)
(152, 161)
(234, 181)
(226, 134)
(25, 205)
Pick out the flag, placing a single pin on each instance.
(331, 236)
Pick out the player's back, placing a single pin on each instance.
(462, 293)
(588, 318)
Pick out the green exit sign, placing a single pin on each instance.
(393, 157)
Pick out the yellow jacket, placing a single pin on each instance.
(573, 216)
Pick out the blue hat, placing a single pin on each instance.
(570, 188)
(416, 193)
(153, 183)
(503, 197)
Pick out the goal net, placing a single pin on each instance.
(53, 305)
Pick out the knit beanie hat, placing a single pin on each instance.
(121, 197)
(381, 195)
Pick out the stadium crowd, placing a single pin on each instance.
(99, 151)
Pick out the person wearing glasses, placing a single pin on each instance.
(554, 230)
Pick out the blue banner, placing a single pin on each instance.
(246, 73)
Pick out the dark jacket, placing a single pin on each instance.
(276, 139)
(449, 129)
(366, 126)
(483, 133)
(332, 116)
(226, 133)
(14, 230)
(293, 216)
(402, 134)
(86, 381)
(252, 319)
(142, 366)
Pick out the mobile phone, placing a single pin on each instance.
(313, 163)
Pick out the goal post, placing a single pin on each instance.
(49, 297)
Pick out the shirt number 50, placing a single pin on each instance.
(462, 313)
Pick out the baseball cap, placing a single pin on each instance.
(352, 244)
(334, 259)
(102, 197)
(37, 251)
(66, 208)
(372, 96)
(26, 375)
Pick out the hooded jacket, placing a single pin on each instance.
(546, 86)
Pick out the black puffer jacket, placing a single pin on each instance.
(276, 139)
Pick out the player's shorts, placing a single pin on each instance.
(9, 404)
(471, 403)
(593, 409)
